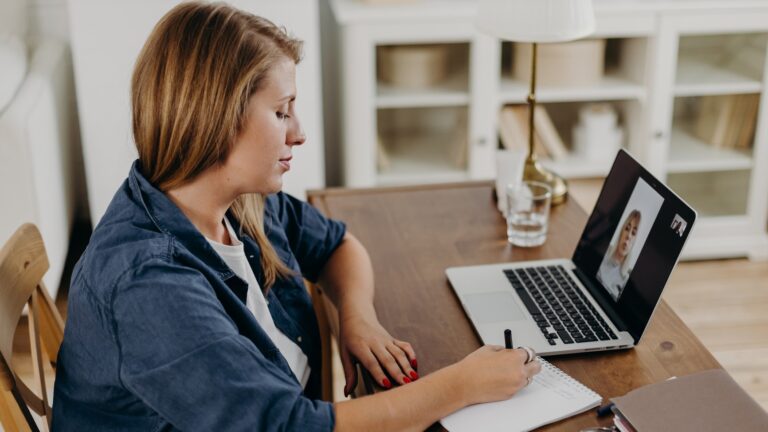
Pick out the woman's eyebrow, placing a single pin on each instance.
(288, 98)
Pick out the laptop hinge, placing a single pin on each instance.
(601, 299)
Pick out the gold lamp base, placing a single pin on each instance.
(533, 171)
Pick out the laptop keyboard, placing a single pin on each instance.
(560, 309)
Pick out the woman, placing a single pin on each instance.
(188, 310)
(615, 268)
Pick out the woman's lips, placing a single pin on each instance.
(286, 162)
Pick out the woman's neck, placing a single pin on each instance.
(617, 257)
(205, 201)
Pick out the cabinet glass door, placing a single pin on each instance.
(717, 91)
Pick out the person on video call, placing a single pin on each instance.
(188, 310)
(615, 268)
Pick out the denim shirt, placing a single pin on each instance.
(158, 336)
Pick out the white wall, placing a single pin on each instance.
(107, 35)
(48, 18)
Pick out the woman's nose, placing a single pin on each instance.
(297, 136)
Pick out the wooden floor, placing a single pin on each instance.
(725, 303)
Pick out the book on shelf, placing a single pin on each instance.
(514, 132)
(747, 131)
(549, 137)
(727, 122)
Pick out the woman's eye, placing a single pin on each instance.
(281, 115)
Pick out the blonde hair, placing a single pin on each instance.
(189, 90)
(625, 269)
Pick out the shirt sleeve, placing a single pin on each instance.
(183, 356)
(312, 237)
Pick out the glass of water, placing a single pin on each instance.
(527, 215)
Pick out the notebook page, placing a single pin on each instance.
(551, 396)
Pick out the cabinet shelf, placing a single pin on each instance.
(689, 154)
(713, 194)
(682, 77)
(700, 78)
(575, 166)
(451, 92)
(611, 87)
(423, 157)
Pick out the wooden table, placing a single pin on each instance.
(414, 233)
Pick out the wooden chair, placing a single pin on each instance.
(328, 323)
(23, 262)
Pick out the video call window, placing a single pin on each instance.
(629, 238)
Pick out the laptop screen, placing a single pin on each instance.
(632, 241)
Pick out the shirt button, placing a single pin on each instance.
(298, 339)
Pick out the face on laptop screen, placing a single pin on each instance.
(632, 241)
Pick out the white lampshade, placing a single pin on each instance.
(536, 20)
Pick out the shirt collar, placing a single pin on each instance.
(169, 219)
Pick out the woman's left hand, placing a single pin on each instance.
(364, 340)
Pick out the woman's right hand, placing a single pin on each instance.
(493, 373)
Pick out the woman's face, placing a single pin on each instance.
(627, 237)
(262, 151)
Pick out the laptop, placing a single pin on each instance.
(603, 297)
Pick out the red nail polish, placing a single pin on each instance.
(385, 382)
(414, 375)
(406, 380)
(414, 364)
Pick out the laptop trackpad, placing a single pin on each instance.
(493, 307)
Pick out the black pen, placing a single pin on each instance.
(508, 338)
(604, 410)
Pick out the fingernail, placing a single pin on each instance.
(414, 375)
(414, 364)
(385, 382)
(406, 380)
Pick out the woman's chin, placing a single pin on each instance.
(274, 186)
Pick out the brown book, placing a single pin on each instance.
(513, 130)
(707, 119)
(521, 113)
(737, 121)
(545, 129)
(715, 119)
(749, 122)
(701, 402)
(723, 121)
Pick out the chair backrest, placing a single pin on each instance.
(23, 262)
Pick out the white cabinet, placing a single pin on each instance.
(662, 58)
(712, 126)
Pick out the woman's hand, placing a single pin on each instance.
(364, 340)
(493, 373)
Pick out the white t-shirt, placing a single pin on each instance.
(234, 257)
(611, 276)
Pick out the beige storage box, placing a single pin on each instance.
(413, 66)
(569, 64)
(386, 2)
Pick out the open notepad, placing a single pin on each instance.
(552, 395)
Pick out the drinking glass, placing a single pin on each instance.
(527, 215)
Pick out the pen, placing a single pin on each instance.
(508, 338)
(604, 410)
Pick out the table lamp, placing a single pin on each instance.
(537, 21)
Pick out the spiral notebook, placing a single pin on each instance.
(552, 395)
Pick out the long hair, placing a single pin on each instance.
(625, 264)
(189, 92)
